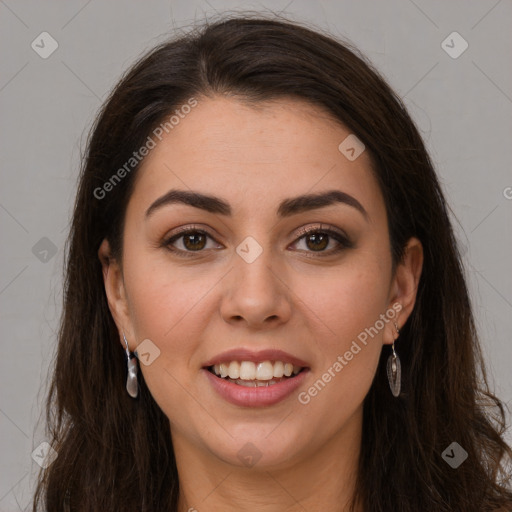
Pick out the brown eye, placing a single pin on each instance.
(187, 241)
(317, 241)
(194, 242)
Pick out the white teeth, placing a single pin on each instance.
(223, 370)
(234, 370)
(249, 371)
(278, 369)
(264, 371)
(255, 383)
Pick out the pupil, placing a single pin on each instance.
(319, 240)
(196, 240)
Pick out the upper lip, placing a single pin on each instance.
(241, 354)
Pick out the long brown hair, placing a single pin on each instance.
(115, 453)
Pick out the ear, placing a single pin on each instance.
(404, 287)
(115, 291)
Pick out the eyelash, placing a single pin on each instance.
(343, 241)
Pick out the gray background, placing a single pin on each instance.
(462, 106)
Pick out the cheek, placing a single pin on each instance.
(168, 311)
(173, 306)
(344, 309)
(160, 294)
(344, 302)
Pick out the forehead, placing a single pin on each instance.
(254, 155)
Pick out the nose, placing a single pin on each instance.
(256, 293)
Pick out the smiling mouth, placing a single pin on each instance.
(249, 374)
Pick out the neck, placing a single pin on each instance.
(322, 480)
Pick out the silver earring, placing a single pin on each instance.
(394, 369)
(131, 380)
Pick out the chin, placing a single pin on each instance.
(263, 446)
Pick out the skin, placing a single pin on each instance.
(313, 307)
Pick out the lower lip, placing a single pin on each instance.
(260, 396)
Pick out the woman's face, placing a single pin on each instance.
(247, 286)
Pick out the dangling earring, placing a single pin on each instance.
(394, 369)
(131, 380)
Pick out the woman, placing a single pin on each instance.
(265, 307)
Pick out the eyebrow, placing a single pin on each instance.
(287, 207)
